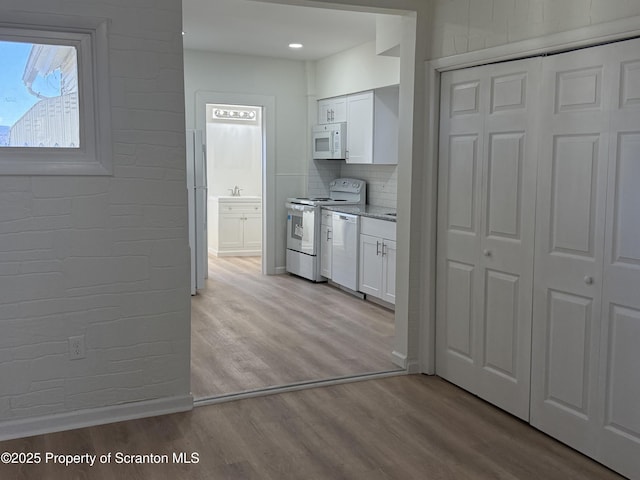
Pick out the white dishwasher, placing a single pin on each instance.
(344, 264)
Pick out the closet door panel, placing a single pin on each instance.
(459, 226)
(507, 235)
(570, 222)
(619, 379)
(485, 240)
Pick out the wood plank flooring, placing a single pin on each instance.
(250, 331)
(406, 427)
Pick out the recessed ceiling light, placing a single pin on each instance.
(182, 33)
(295, 45)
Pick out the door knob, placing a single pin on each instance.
(486, 252)
(588, 280)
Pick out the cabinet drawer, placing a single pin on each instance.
(378, 228)
(239, 208)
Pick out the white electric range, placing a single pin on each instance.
(303, 225)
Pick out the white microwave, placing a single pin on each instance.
(329, 141)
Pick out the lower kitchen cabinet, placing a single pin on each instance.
(378, 259)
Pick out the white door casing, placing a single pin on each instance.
(486, 215)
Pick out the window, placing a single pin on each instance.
(54, 103)
(39, 96)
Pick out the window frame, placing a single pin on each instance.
(89, 37)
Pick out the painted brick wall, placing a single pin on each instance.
(104, 257)
(461, 26)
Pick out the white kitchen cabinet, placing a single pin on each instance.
(377, 265)
(252, 232)
(326, 245)
(360, 128)
(236, 226)
(372, 124)
(332, 110)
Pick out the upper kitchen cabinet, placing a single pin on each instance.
(372, 124)
(360, 110)
(332, 110)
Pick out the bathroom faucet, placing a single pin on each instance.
(235, 191)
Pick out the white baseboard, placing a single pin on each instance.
(399, 359)
(413, 366)
(236, 253)
(281, 270)
(27, 427)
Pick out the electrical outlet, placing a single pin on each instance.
(76, 347)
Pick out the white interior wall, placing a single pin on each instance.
(461, 26)
(283, 79)
(355, 70)
(104, 257)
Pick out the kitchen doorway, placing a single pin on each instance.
(252, 330)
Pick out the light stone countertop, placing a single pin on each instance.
(373, 211)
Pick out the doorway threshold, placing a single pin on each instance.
(261, 392)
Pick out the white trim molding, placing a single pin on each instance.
(27, 427)
(89, 37)
(399, 359)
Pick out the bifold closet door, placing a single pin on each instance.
(487, 176)
(586, 326)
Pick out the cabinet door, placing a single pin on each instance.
(339, 110)
(371, 265)
(230, 233)
(324, 111)
(360, 128)
(388, 289)
(252, 231)
(326, 250)
(332, 110)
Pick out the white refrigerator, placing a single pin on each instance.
(197, 193)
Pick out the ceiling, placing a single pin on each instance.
(247, 27)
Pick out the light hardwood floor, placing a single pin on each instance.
(250, 331)
(406, 427)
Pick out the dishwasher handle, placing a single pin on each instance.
(345, 217)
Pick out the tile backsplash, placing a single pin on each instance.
(381, 180)
(321, 172)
